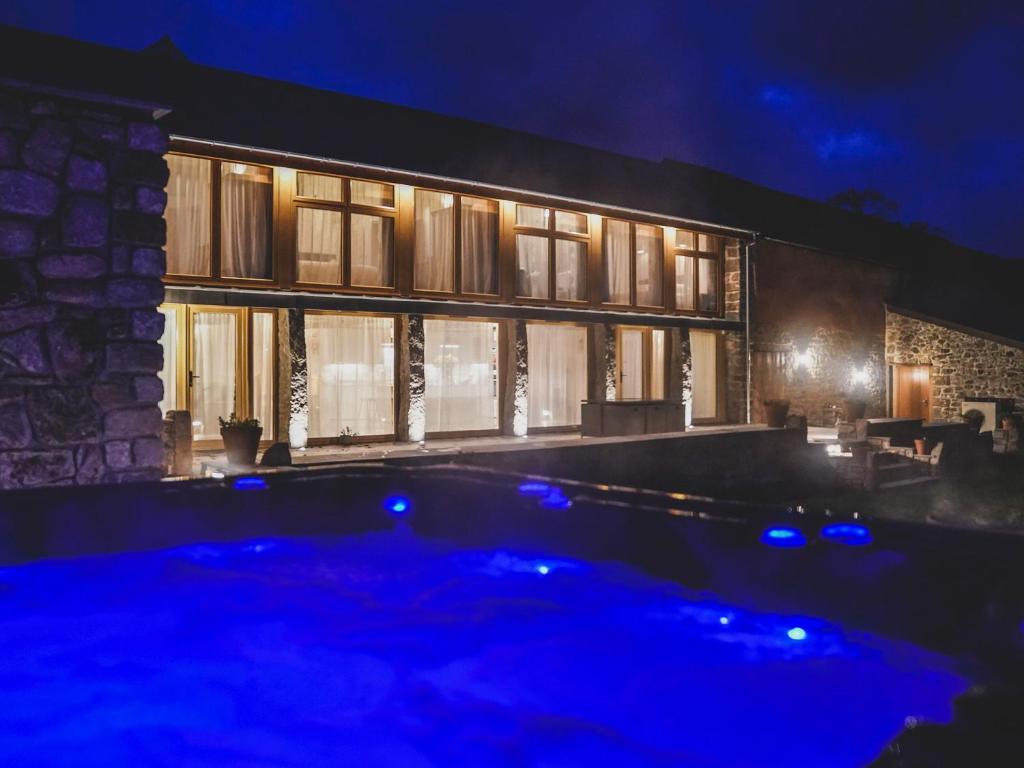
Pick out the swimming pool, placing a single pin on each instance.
(366, 620)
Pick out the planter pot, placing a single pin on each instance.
(775, 414)
(855, 409)
(241, 444)
(920, 446)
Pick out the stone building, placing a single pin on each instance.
(180, 237)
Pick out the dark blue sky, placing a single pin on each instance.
(921, 100)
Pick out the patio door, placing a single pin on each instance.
(640, 363)
(216, 368)
(911, 391)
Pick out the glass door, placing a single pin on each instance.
(631, 364)
(215, 378)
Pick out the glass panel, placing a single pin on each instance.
(684, 282)
(616, 262)
(372, 193)
(319, 187)
(263, 371)
(318, 251)
(532, 265)
(188, 215)
(169, 372)
(557, 385)
(687, 240)
(708, 285)
(461, 372)
(570, 270)
(351, 363)
(649, 258)
(704, 353)
(631, 364)
(479, 245)
(373, 240)
(571, 222)
(246, 197)
(528, 216)
(214, 344)
(434, 248)
(657, 364)
(708, 243)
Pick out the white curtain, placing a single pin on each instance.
(350, 361)
(434, 249)
(532, 263)
(616, 262)
(169, 372)
(650, 248)
(570, 270)
(246, 195)
(557, 365)
(461, 371)
(263, 371)
(708, 285)
(372, 193)
(684, 282)
(214, 337)
(631, 364)
(318, 251)
(704, 351)
(319, 187)
(479, 245)
(188, 215)
(657, 364)
(372, 248)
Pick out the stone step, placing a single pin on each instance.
(908, 481)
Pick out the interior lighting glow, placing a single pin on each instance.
(803, 359)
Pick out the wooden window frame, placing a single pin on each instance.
(553, 236)
(696, 254)
(633, 301)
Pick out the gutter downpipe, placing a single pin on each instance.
(748, 248)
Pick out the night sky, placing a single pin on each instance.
(920, 100)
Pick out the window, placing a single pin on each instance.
(698, 259)
(263, 368)
(704, 354)
(188, 215)
(345, 232)
(170, 341)
(351, 363)
(551, 254)
(557, 385)
(479, 243)
(640, 363)
(246, 207)
(447, 224)
(434, 250)
(461, 372)
(633, 258)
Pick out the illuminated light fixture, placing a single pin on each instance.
(847, 533)
(803, 359)
(782, 536)
(796, 633)
(534, 489)
(397, 505)
(556, 500)
(249, 484)
(860, 376)
(723, 620)
(217, 475)
(543, 570)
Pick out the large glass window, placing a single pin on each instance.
(616, 261)
(461, 372)
(350, 360)
(246, 205)
(479, 232)
(641, 363)
(551, 254)
(649, 260)
(657, 379)
(557, 385)
(704, 354)
(633, 255)
(212, 376)
(698, 259)
(188, 215)
(263, 370)
(318, 252)
(373, 247)
(434, 249)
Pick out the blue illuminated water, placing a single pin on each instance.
(386, 650)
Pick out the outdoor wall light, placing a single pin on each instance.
(860, 376)
(803, 359)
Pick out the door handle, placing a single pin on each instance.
(191, 378)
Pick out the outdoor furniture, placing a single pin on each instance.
(1005, 440)
(631, 417)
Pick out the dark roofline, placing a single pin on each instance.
(150, 108)
(915, 315)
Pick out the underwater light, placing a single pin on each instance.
(543, 570)
(534, 489)
(249, 484)
(781, 536)
(796, 633)
(723, 620)
(556, 500)
(847, 533)
(398, 505)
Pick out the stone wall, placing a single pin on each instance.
(81, 232)
(963, 365)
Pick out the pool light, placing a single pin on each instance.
(850, 534)
(556, 500)
(796, 633)
(249, 484)
(534, 489)
(723, 620)
(397, 505)
(783, 536)
(543, 570)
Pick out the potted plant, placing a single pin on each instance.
(241, 438)
(776, 412)
(855, 408)
(347, 436)
(920, 446)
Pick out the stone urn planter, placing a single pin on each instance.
(776, 412)
(855, 409)
(241, 439)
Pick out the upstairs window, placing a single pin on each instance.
(698, 259)
(446, 224)
(189, 192)
(246, 208)
(551, 254)
(633, 258)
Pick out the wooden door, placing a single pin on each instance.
(911, 392)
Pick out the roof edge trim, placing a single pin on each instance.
(157, 110)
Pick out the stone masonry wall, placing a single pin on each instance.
(963, 365)
(81, 235)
